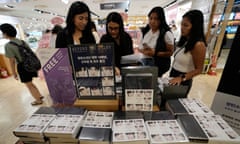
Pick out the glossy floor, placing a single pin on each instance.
(15, 100)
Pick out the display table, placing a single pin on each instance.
(99, 105)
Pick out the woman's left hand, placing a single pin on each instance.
(175, 81)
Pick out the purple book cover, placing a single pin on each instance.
(59, 79)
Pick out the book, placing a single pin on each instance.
(175, 107)
(96, 128)
(118, 115)
(139, 87)
(93, 70)
(132, 59)
(138, 92)
(64, 125)
(187, 106)
(34, 126)
(217, 129)
(92, 135)
(129, 131)
(158, 115)
(192, 129)
(166, 131)
(46, 110)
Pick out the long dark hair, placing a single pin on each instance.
(78, 7)
(163, 27)
(116, 18)
(197, 31)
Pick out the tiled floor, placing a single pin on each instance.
(15, 101)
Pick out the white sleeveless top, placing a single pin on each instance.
(183, 62)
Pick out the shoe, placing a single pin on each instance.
(36, 103)
(41, 97)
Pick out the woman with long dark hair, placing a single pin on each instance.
(158, 41)
(116, 34)
(191, 49)
(78, 26)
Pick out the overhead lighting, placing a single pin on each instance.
(65, 1)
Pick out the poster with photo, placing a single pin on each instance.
(138, 92)
(129, 130)
(93, 70)
(165, 131)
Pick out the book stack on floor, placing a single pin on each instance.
(31, 130)
(66, 126)
(96, 128)
(166, 132)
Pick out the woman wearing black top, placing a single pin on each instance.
(115, 33)
(78, 27)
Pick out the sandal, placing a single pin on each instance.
(36, 103)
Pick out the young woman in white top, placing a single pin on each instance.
(191, 48)
(158, 41)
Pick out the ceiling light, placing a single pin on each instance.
(65, 1)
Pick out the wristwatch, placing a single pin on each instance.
(183, 76)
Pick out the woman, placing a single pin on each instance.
(158, 42)
(12, 52)
(115, 33)
(78, 27)
(190, 53)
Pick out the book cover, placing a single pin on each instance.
(139, 92)
(139, 82)
(59, 79)
(64, 125)
(93, 69)
(195, 106)
(158, 115)
(175, 107)
(118, 115)
(192, 129)
(91, 135)
(217, 130)
(34, 126)
(129, 131)
(96, 128)
(46, 110)
(165, 131)
(98, 119)
(71, 110)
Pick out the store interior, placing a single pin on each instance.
(15, 98)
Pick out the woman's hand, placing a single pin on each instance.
(175, 81)
(117, 71)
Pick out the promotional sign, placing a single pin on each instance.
(93, 69)
(227, 99)
(59, 78)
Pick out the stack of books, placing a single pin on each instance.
(31, 130)
(66, 126)
(165, 132)
(187, 106)
(217, 130)
(129, 131)
(96, 128)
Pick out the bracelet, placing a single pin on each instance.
(183, 76)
